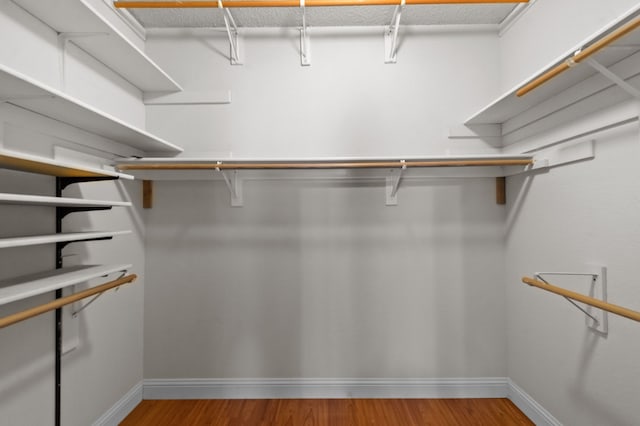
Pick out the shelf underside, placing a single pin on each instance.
(35, 284)
(25, 92)
(569, 89)
(102, 40)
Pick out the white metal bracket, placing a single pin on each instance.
(232, 33)
(391, 36)
(393, 183)
(234, 184)
(596, 319)
(63, 41)
(305, 40)
(613, 77)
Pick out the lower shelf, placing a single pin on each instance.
(58, 238)
(40, 200)
(32, 285)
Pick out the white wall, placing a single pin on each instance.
(108, 360)
(548, 30)
(561, 220)
(321, 279)
(347, 103)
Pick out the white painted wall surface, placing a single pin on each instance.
(347, 103)
(582, 213)
(108, 360)
(320, 279)
(548, 30)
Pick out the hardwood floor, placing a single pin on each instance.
(329, 412)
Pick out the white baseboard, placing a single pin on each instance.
(530, 407)
(120, 410)
(488, 387)
(325, 388)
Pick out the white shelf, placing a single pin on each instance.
(33, 285)
(39, 200)
(577, 91)
(204, 168)
(113, 49)
(35, 164)
(57, 238)
(25, 92)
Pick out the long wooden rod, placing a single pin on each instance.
(58, 303)
(291, 3)
(580, 56)
(609, 307)
(324, 165)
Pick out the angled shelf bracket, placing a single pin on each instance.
(81, 308)
(232, 33)
(62, 244)
(391, 35)
(613, 77)
(234, 184)
(596, 319)
(393, 183)
(66, 181)
(305, 45)
(64, 211)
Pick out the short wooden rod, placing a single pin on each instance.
(609, 307)
(580, 56)
(58, 303)
(324, 165)
(291, 3)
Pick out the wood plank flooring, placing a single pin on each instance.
(327, 412)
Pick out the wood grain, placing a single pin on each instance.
(327, 412)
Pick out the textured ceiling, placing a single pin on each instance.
(325, 16)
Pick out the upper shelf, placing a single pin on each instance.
(34, 164)
(580, 87)
(25, 92)
(33, 285)
(40, 200)
(109, 46)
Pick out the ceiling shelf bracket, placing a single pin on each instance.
(393, 184)
(234, 184)
(305, 45)
(391, 35)
(613, 77)
(232, 33)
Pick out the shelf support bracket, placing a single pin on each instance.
(232, 33)
(391, 35)
(393, 183)
(305, 40)
(613, 77)
(596, 319)
(234, 184)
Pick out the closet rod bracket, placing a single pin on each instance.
(234, 184)
(232, 34)
(596, 319)
(391, 35)
(393, 184)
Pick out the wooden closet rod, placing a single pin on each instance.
(609, 307)
(324, 165)
(58, 303)
(580, 56)
(292, 3)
